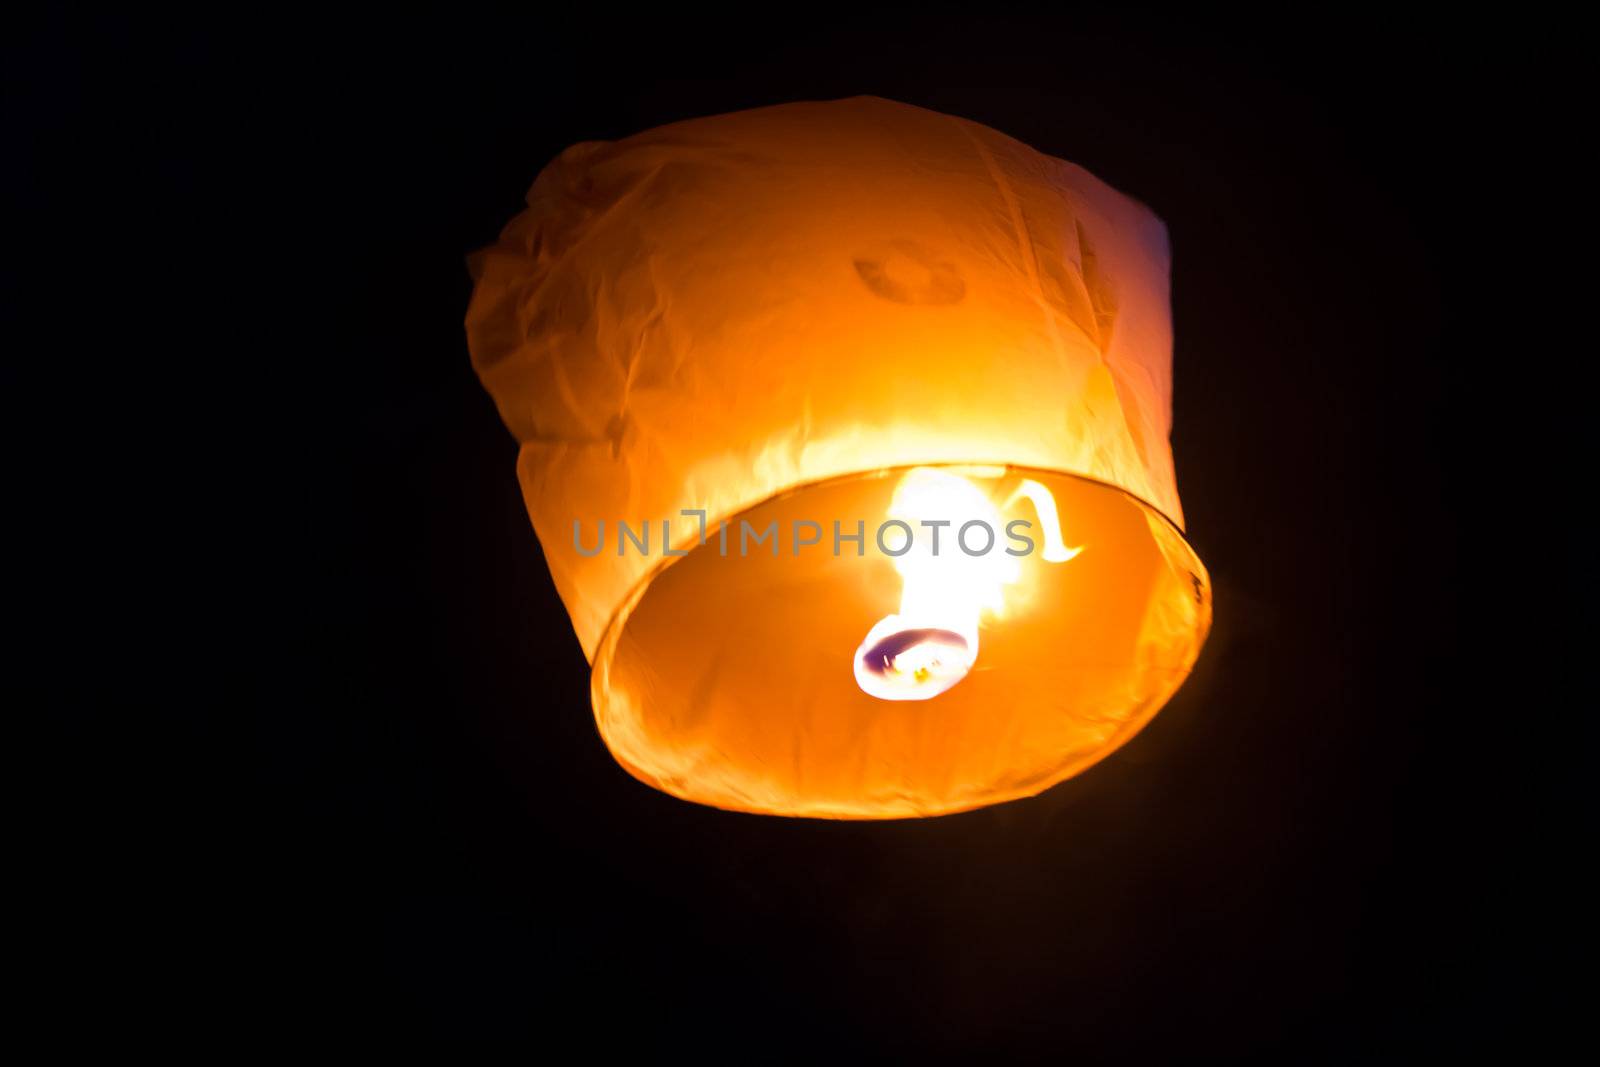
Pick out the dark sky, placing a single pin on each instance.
(376, 809)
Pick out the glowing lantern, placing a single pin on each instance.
(844, 430)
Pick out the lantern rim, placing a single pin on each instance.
(605, 648)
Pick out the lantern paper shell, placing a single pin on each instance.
(776, 316)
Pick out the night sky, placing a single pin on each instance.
(375, 810)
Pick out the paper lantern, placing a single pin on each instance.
(778, 376)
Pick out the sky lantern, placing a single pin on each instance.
(844, 430)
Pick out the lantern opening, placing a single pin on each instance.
(745, 681)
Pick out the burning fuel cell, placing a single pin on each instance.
(931, 642)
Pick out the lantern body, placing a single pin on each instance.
(770, 318)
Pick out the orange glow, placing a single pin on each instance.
(822, 317)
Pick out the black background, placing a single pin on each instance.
(369, 803)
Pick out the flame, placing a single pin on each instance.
(931, 643)
(1044, 502)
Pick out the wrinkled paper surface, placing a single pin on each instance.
(708, 313)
